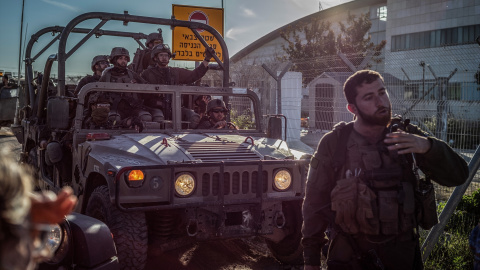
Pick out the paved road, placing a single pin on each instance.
(237, 254)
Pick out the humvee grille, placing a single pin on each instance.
(219, 151)
(234, 183)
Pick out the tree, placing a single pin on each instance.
(313, 47)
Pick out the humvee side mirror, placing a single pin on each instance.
(274, 127)
(57, 113)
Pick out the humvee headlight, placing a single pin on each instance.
(282, 179)
(184, 184)
(50, 244)
(135, 178)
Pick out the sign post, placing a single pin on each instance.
(185, 44)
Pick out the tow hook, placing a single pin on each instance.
(279, 219)
(192, 227)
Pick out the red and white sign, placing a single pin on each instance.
(185, 43)
(198, 16)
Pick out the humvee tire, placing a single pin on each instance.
(129, 229)
(290, 251)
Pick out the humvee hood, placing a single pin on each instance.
(158, 149)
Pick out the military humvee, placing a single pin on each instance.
(160, 185)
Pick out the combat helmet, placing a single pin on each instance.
(97, 59)
(161, 48)
(99, 97)
(154, 36)
(119, 51)
(215, 103)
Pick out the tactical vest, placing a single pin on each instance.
(124, 78)
(374, 193)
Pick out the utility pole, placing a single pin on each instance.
(20, 47)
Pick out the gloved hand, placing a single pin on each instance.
(209, 52)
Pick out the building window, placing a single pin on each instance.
(454, 91)
(382, 13)
(436, 38)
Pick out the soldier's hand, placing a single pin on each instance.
(407, 143)
(49, 208)
(220, 124)
(209, 52)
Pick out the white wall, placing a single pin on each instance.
(291, 103)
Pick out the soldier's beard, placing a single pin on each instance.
(121, 65)
(374, 120)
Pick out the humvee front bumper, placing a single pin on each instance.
(250, 204)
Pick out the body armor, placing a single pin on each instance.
(375, 194)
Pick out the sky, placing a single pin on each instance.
(245, 22)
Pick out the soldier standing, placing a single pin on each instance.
(161, 73)
(371, 199)
(99, 64)
(142, 59)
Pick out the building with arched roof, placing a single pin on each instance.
(430, 55)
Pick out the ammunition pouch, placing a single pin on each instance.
(426, 206)
(377, 202)
(355, 206)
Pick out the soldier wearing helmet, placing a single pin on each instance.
(216, 115)
(142, 59)
(99, 64)
(119, 58)
(161, 73)
(127, 105)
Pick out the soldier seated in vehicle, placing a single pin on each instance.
(200, 104)
(127, 103)
(99, 64)
(142, 59)
(216, 115)
(98, 113)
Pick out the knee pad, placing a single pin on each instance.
(114, 117)
(144, 116)
(157, 116)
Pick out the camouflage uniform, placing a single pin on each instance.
(208, 122)
(127, 104)
(389, 230)
(90, 78)
(142, 59)
(171, 75)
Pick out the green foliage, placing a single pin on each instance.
(453, 251)
(242, 121)
(464, 133)
(309, 41)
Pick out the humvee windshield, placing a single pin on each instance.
(135, 108)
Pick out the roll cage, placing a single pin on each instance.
(38, 100)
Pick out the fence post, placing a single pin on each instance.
(279, 83)
(452, 203)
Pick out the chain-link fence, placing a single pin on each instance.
(438, 89)
(435, 88)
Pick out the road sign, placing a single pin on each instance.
(185, 44)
